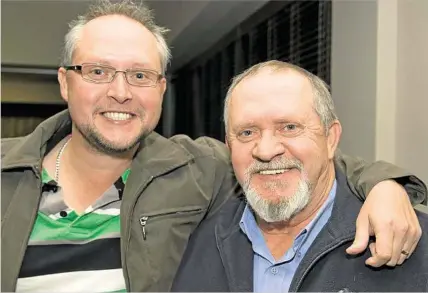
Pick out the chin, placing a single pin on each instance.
(276, 194)
(280, 206)
(114, 146)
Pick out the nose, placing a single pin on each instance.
(119, 88)
(268, 147)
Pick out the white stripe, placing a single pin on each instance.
(113, 212)
(55, 217)
(58, 215)
(81, 281)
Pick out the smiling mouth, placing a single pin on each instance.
(118, 116)
(273, 172)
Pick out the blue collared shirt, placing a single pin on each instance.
(271, 276)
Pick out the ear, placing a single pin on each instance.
(62, 79)
(162, 86)
(226, 140)
(333, 138)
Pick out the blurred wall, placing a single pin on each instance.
(18, 88)
(412, 82)
(379, 64)
(26, 101)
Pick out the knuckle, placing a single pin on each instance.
(389, 222)
(412, 232)
(403, 228)
(418, 232)
(384, 256)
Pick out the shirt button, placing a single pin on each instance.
(274, 270)
(299, 254)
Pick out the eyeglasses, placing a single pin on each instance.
(98, 73)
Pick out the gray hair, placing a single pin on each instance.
(140, 13)
(323, 102)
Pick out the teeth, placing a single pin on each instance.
(117, 115)
(273, 172)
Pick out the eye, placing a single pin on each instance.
(290, 127)
(140, 75)
(97, 71)
(246, 133)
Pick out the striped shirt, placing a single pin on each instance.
(70, 252)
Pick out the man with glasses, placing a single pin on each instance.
(95, 200)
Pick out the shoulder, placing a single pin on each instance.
(202, 146)
(7, 144)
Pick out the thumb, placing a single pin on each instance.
(362, 236)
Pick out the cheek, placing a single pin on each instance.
(241, 157)
(151, 102)
(86, 93)
(311, 152)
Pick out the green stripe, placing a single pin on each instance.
(45, 176)
(125, 175)
(87, 227)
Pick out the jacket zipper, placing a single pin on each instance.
(128, 226)
(144, 219)
(128, 231)
(299, 283)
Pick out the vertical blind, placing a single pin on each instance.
(294, 31)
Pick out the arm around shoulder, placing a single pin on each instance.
(225, 183)
(363, 176)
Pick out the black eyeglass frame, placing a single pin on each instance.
(79, 67)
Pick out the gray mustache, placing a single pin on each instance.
(274, 165)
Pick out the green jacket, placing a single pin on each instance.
(175, 183)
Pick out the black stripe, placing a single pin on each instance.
(100, 254)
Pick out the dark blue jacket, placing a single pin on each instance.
(219, 256)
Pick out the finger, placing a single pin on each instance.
(398, 244)
(361, 236)
(371, 260)
(413, 236)
(383, 245)
(415, 231)
(415, 242)
(403, 257)
(372, 247)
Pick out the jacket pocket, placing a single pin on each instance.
(175, 215)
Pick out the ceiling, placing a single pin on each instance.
(32, 31)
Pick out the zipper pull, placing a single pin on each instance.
(143, 222)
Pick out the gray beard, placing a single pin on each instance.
(282, 210)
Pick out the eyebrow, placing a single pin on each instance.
(137, 65)
(244, 125)
(141, 65)
(252, 124)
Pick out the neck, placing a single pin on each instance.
(319, 195)
(89, 162)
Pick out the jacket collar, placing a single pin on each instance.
(238, 263)
(156, 154)
(30, 149)
(234, 247)
(339, 229)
